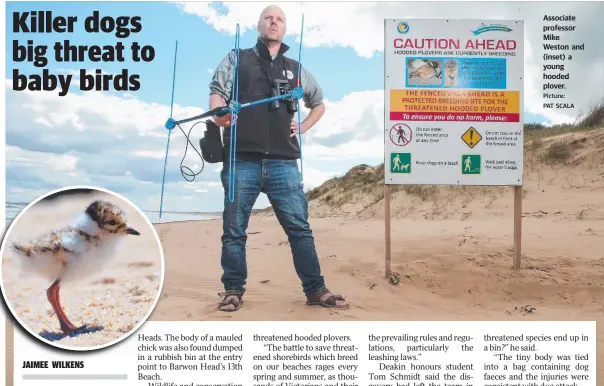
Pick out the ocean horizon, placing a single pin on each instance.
(12, 209)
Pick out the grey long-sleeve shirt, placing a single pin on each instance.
(222, 82)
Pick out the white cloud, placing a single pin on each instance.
(350, 128)
(56, 141)
(159, 154)
(100, 112)
(30, 159)
(315, 177)
(204, 186)
(365, 108)
(348, 151)
(359, 25)
(321, 28)
(47, 149)
(532, 89)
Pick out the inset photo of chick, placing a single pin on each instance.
(424, 72)
(82, 268)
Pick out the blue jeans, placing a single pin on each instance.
(280, 180)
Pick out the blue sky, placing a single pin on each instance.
(117, 141)
(200, 47)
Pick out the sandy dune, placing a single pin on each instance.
(116, 299)
(452, 248)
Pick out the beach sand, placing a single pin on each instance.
(117, 298)
(453, 251)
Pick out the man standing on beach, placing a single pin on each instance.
(267, 153)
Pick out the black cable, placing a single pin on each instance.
(182, 167)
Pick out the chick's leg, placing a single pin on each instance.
(52, 294)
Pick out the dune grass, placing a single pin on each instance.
(591, 119)
(366, 182)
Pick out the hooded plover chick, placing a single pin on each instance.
(73, 252)
(425, 70)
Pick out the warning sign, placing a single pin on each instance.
(401, 134)
(471, 137)
(453, 103)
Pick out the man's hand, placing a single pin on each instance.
(218, 101)
(223, 121)
(315, 114)
(294, 128)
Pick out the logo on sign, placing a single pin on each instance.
(491, 27)
(402, 27)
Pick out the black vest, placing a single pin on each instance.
(262, 131)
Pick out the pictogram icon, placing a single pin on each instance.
(471, 137)
(401, 134)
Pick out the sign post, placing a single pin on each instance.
(453, 105)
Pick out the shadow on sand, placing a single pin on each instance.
(54, 336)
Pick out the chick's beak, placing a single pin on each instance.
(132, 231)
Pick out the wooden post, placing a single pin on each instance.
(517, 225)
(387, 221)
